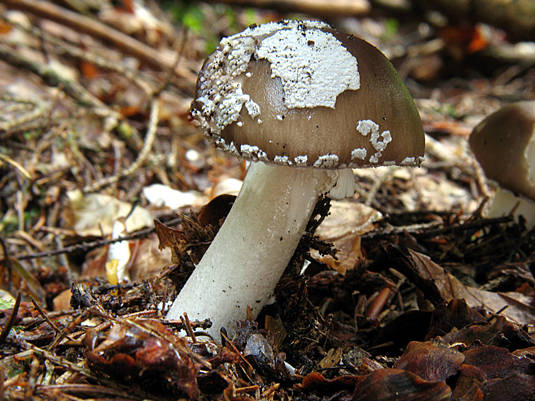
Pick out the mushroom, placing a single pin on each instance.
(304, 104)
(504, 145)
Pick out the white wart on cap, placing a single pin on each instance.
(299, 93)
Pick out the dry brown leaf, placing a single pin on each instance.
(431, 361)
(343, 227)
(333, 358)
(442, 286)
(399, 385)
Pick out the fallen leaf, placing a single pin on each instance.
(399, 385)
(135, 355)
(430, 360)
(94, 214)
(441, 287)
(468, 385)
(346, 222)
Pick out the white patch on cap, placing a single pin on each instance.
(358, 153)
(380, 145)
(366, 126)
(412, 161)
(282, 160)
(253, 153)
(220, 93)
(230, 148)
(408, 161)
(301, 160)
(378, 140)
(375, 157)
(314, 66)
(249, 150)
(328, 160)
(252, 108)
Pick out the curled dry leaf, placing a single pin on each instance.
(138, 357)
(188, 241)
(316, 382)
(147, 260)
(513, 387)
(346, 222)
(497, 361)
(399, 385)
(441, 287)
(430, 360)
(14, 275)
(468, 386)
(500, 375)
(94, 214)
(215, 211)
(497, 331)
(259, 352)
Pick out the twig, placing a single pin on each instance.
(59, 361)
(7, 263)
(83, 54)
(73, 89)
(50, 322)
(430, 230)
(147, 146)
(32, 111)
(15, 164)
(480, 179)
(84, 246)
(378, 303)
(80, 23)
(93, 389)
(2, 380)
(189, 330)
(11, 320)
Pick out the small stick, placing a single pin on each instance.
(378, 303)
(84, 246)
(187, 324)
(97, 29)
(147, 146)
(11, 320)
(50, 322)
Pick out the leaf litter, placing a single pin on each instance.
(405, 292)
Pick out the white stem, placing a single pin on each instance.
(254, 245)
(505, 201)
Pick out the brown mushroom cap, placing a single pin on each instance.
(503, 144)
(371, 123)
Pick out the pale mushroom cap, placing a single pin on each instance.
(301, 94)
(504, 145)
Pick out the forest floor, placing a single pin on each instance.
(426, 298)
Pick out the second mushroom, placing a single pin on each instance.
(305, 104)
